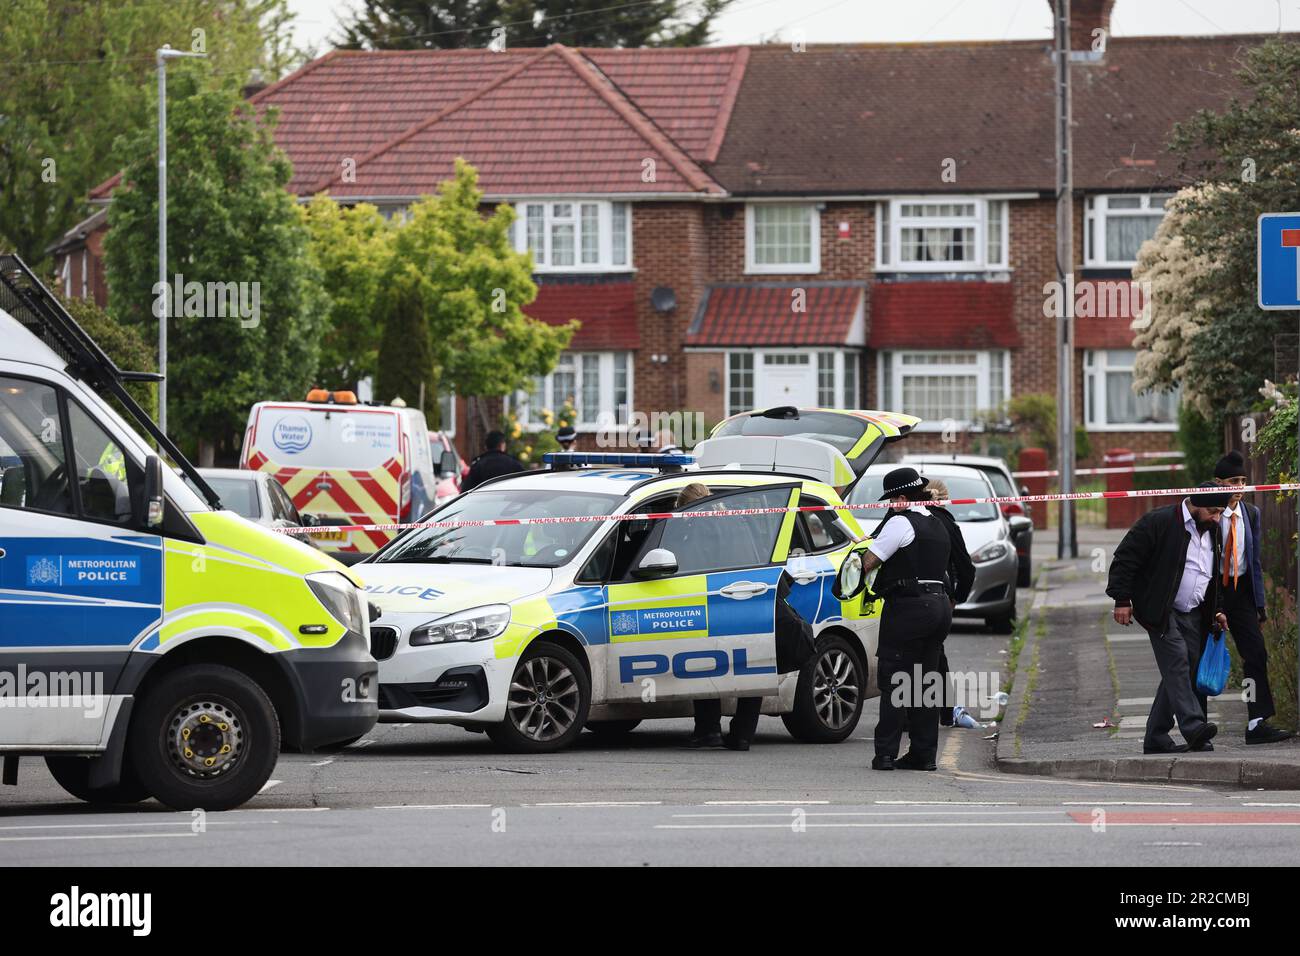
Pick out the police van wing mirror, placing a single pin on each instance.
(850, 581)
(657, 563)
(447, 465)
(153, 492)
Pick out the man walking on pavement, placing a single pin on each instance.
(1243, 598)
(1164, 576)
(911, 549)
(493, 463)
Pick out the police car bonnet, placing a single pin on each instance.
(790, 455)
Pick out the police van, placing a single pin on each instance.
(151, 643)
(534, 630)
(345, 463)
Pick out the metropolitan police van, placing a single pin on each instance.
(151, 644)
(533, 631)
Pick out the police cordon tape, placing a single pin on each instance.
(737, 512)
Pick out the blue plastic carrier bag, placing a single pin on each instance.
(1212, 674)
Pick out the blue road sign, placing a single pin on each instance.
(1279, 260)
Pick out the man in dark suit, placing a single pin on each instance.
(1164, 576)
(1242, 580)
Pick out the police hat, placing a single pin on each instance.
(903, 481)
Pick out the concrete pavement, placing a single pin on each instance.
(1079, 668)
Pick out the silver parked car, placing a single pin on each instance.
(257, 496)
(983, 526)
(1004, 485)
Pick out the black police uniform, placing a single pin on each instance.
(913, 626)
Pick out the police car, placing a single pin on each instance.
(533, 631)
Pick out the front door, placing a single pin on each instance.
(706, 630)
(787, 378)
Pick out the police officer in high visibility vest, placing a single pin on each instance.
(911, 548)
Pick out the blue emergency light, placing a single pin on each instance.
(597, 459)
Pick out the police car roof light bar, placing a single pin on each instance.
(585, 459)
(34, 307)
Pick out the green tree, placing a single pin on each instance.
(352, 246)
(1246, 160)
(406, 355)
(230, 221)
(420, 24)
(126, 345)
(74, 74)
(462, 269)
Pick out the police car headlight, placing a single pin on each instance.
(990, 552)
(340, 597)
(477, 624)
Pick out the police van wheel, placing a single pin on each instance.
(73, 775)
(206, 737)
(612, 729)
(829, 696)
(550, 695)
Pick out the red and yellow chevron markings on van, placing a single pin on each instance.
(360, 496)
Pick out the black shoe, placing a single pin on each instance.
(1171, 749)
(1204, 748)
(705, 741)
(1198, 740)
(910, 761)
(732, 742)
(1264, 734)
(882, 762)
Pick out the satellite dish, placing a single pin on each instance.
(663, 299)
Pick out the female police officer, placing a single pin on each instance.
(911, 547)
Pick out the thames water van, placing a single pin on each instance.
(151, 643)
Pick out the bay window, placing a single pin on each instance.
(597, 384)
(944, 387)
(1110, 402)
(1116, 226)
(782, 238)
(941, 234)
(575, 235)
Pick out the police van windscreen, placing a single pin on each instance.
(871, 486)
(328, 437)
(527, 546)
(840, 431)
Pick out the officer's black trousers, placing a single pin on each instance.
(1243, 624)
(708, 717)
(909, 674)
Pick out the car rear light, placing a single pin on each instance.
(1013, 508)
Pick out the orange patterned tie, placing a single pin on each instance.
(1231, 550)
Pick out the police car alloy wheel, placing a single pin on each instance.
(548, 701)
(205, 736)
(829, 696)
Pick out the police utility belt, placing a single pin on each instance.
(909, 587)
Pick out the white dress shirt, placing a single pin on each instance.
(1199, 566)
(1225, 525)
(895, 536)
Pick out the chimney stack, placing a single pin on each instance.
(1085, 17)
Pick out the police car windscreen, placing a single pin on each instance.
(356, 438)
(528, 546)
(840, 431)
(871, 486)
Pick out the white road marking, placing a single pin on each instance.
(323, 763)
(945, 803)
(764, 803)
(1012, 779)
(1124, 803)
(1082, 827)
(96, 836)
(282, 810)
(363, 743)
(1258, 804)
(1172, 843)
(435, 806)
(600, 803)
(881, 813)
(187, 822)
(270, 785)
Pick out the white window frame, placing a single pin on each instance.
(889, 381)
(605, 225)
(890, 225)
(1096, 363)
(608, 412)
(447, 423)
(811, 267)
(759, 357)
(1096, 210)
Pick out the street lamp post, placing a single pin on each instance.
(164, 54)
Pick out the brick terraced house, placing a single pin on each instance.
(737, 227)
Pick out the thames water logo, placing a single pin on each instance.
(292, 434)
(43, 572)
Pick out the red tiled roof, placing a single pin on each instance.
(763, 314)
(940, 314)
(989, 106)
(1104, 313)
(607, 311)
(551, 124)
